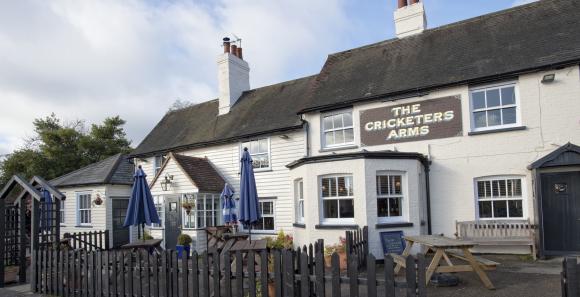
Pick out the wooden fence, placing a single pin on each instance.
(570, 277)
(253, 274)
(90, 241)
(357, 244)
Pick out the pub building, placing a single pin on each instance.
(477, 120)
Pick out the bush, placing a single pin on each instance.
(336, 248)
(147, 235)
(184, 239)
(282, 241)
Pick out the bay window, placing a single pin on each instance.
(337, 129)
(389, 196)
(494, 107)
(204, 212)
(500, 197)
(337, 195)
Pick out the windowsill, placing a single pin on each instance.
(261, 232)
(336, 226)
(499, 130)
(263, 170)
(299, 225)
(338, 148)
(83, 226)
(393, 225)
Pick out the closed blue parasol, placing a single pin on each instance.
(249, 208)
(228, 205)
(141, 209)
(46, 214)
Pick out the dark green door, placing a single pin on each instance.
(172, 221)
(121, 235)
(561, 211)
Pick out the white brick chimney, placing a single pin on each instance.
(233, 76)
(410, 18)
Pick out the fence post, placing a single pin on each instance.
(278, 272)
(184, 273)
(263, 272)
(239, 275)
(335, 266)
(227, 275)
(216, 273)
(352, 270)
(371, 276)
(389, 277)
(319, 271)
(571, 277)
(194, 275)
(411, 276)
(304, 275)
(422, 285)
(205, 275)
(252, 273)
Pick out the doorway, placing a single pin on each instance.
(121, 234)
(172, 221)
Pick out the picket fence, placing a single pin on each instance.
(254, 274)
(570, 277)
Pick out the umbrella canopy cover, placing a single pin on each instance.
(46, 214)
(249, 208)
(141, 208)
(228, 205)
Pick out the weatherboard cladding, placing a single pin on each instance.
(114, 170)
(490, 47)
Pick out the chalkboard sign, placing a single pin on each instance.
(392, 242)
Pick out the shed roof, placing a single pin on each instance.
(116, 170)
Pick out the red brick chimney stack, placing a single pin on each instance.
(403, 3)
(226, 45)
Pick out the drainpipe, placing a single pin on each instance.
(306, 131)
(428, 194)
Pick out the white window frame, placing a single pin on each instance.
(299, 200)
(336, 221)
(404, 197)
(323, 131)
(157, 164)
(62, 211)
(78, 209)
(194, 212)
(252, 154)
(273, 215)
(159, 203)
(498, 86)
(524, 197)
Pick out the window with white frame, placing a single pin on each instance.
(337, 129)
(159, 202)
(84, 209)
(337, 195)
(299, 197)
(158, 162)
(267, 222)
(205, 210)
(500, 197)
(260, 151)
(390, 196)
(62, 204)
(494, 107)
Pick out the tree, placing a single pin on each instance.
(58, 148)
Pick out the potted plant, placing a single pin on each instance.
(340, 249)
(183, 246)
(281, 241)
(187, 206)
(11, 274)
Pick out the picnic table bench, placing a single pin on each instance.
(442, 247)
(148, 244)
(498, 233)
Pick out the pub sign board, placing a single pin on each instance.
(422, 120)
(392, 242)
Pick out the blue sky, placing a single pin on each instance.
(92, 59)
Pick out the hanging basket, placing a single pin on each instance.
(98, 200)
(187, 206)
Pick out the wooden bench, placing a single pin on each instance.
(486, 264)
(498, 233)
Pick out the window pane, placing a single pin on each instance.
(337, 119)
(333, 187)
(502, 188)
(517, 187)
(382, 185)
(254, 147)
(509, 115)
(347, 117)
(330, 208)
(492, 98)
(508, 96)
(349, 135)
(339, 137)
(349, 185)
(495, 188)
(329, 138)
(263, 145)
(480, 189)
(487, 188)
(347, 208)
(268, 208)
(395, 207)
(516, 209)
(485, 209)
(494, 117)
(479, 119)
(325, 187)
(327, 122)
(397, 184)
(478, 100)
(342, 188)
(500, 209)
(268, 223)
(383, 207)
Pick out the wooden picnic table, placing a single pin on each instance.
(144, 244)
(443, 246)
(247, 245)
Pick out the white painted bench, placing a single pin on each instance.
(498, 233)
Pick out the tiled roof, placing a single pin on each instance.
(116, 169)
(201, 172)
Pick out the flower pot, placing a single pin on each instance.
(342, 260)
(11, 274)
(182, 250)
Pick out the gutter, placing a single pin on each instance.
(426, 89)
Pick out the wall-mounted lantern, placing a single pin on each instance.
(166, 182)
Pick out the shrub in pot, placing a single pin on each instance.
(11, 274)
(183, 246)
(281, 241)
(340, 249)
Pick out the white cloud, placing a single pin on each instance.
(93, 59)
(522, 2)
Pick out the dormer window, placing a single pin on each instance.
(337, 129)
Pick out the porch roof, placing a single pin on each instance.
(568, 154)
(200, 172)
